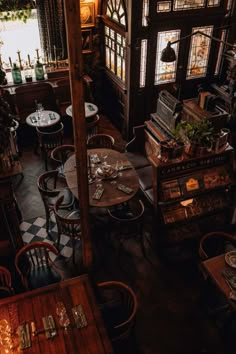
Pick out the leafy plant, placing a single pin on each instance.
(12, 10)
(199, 132)
(6, 122)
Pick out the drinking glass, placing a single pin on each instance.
(62, 314)
(39, 110)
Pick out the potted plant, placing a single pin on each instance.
(172, 149)
(197, 136)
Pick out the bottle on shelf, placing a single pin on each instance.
(39, 71)
(16, 74)
(28, 74)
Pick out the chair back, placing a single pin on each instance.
(63, 94)
(119, 307)
(101, 141)
(34, 265)
(67, 226)
(5, 282)
(60, 154)
(215, 243)
(26, 95)
(92, 126)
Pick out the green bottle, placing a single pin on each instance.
(16, 74)
(39, 71)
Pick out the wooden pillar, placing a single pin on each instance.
(74, 44)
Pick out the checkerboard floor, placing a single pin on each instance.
(35, 230)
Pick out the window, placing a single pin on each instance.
(19, 36)
(166, 72)
(199, 53)
(115, 10)
(143, 63)
(145, 13)
(164, 6)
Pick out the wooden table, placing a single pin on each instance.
(213, 268)
(33, 305)
(111, 195)
(90, 110)
(47, 119)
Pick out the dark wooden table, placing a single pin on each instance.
(213, 268)
(111, 195)
(33, 305)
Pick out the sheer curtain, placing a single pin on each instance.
(52, 28)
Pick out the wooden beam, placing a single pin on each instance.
(74, 44)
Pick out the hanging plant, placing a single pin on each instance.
(12, 10)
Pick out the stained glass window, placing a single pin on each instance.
(145, 13)
(213, 3)
(199, 53)
(115, 52)
(166, 72)
(164, 6)
(115, 10)
(188, 4)
(143, 63)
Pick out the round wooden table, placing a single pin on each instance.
(47, 119)
(90, 110)
(111, 195)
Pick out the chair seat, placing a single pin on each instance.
(43, 276)
(145, 177)
(122, 211)
(67, 201)
(137, 159)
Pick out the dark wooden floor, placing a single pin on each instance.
(171, 317)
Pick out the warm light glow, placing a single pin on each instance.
(186, 202)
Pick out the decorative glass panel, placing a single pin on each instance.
(221, 47)
(115, 52)
(199, 53)
(145, 13)
(164, 6)
(143, 62)
(188, 4)
(213, 3)
(115, 10)
(166, 72)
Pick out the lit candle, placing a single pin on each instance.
(10, 62)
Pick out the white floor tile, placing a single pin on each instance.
(24, 226)
(42, 233)
(66, 251)
(27, 237)
(40, 222)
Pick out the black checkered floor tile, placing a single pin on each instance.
(35, 230)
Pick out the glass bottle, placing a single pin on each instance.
(39, 71)
(16, 74)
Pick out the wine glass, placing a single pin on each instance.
(64, 320)
(39, 110)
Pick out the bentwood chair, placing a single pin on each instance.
(59, 155)
(215, 243)
(35, 265)
(49, 140)
(48, 183)
(6, 288)
(92, 126)
(101, 141)
(119, 306)
(68, 223)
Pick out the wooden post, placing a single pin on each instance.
(74, 44)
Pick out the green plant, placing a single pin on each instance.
(12, 10)
(198, 132)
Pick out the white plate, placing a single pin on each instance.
(230, 259)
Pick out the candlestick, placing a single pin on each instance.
(10, 62)
(29, 63)
(0, 60)
(55, 55)
(37, 53)
(21, 67)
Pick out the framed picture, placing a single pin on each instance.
(87, 14)
(86, 41)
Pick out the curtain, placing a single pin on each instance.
(52, 28)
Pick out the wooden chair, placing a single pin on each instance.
(68, 223)
(59, 155)
(119, 306)
(6, 288)
(63, 95)
(26, 95)
(215, 243)
(35, 266)
(49, 140)
(47, 186)
(92, 126)
(101, 141)
(126, 222)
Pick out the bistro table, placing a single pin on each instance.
(90, 110)
(111, 195)
(47, 119)
(213, 268)
(32, 306)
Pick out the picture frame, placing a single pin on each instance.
(86, 40)
(87, 14)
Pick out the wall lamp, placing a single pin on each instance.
(168, 54)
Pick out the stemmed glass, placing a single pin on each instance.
(64, 320)
(39, 110)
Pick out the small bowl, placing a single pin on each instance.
(230, 258)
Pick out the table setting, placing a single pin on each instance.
(42, 117)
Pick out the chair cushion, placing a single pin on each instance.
(137, 159)
(145, 177)
(67, 201)
(43, 276)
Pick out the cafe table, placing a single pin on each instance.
(111, 194)
(212, 268)
(33, 306)
(90, 110)
(47, 119)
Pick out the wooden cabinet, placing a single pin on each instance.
(191, 196)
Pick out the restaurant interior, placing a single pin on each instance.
(117, 178)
